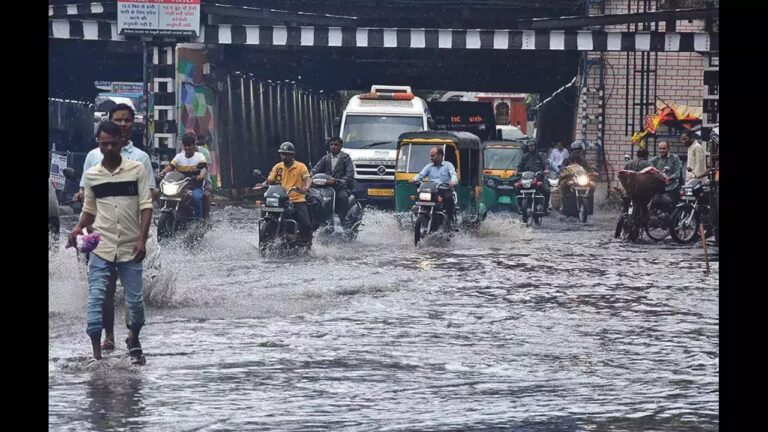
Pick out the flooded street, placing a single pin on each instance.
(555, 327)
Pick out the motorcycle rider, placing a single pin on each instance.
(674, 174)
(441, 171)
(338, 165)
(291, 173)
(191, 163)
(532, 161)
(577, 157)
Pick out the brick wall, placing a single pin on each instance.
(679, 80)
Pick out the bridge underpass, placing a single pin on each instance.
(324, 57)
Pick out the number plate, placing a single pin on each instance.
(272, 209)
(425, 203)
(381, 192)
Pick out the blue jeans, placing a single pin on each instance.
(197, 202)
(130, 275)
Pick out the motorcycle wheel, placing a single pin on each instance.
(524, 209)
(582, 209)
(683, 232)
(537, 215)
(656, 229)
(266, 235)
(417, 228)
(165, 227)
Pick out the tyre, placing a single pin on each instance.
(684, 225)
(582, 209)
(418, 227)
(166, 226)
(267, 233)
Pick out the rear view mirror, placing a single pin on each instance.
(256, 173)
(626, 158)
(69, 173)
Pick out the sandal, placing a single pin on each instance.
(108, 345)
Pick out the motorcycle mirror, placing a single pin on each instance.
(626, 158)
(69, 173)
(256, 172)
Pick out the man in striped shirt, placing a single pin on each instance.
(118, 205)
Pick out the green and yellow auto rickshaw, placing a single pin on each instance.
(462, 149)
(500, 161)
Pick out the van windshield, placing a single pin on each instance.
(380, 132)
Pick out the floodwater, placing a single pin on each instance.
(554, 327)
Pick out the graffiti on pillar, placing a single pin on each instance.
(196, 102)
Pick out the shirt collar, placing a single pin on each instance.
(128, 147)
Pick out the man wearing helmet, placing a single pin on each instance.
(576, 156)
(289, 174)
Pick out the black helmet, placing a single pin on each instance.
(286, 147)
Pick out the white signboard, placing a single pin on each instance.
(58, 163)
(120, 86)
(158, 17)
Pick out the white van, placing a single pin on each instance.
(370, 126)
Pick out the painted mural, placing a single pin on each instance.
(196, 103)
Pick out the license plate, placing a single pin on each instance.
(272, 209)
(381, 192)
(425, 203)
(629, 211)
(504, 187)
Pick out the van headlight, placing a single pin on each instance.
(425, 196)
(273, 202)
(582, 180)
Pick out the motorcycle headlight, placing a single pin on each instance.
(425, 196)
(582, 180)
(526, 183)
(273, 202)
(491, 183)
(319, 182)
(170, 189)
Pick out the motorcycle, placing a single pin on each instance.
(321, 202)
(530, 201)
(693, 209)
(176, 208)
(428, 209)
(277, 225)
(645, 205)
(579, 187)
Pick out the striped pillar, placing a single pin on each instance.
(163, 90)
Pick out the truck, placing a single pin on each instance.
(370, 126)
